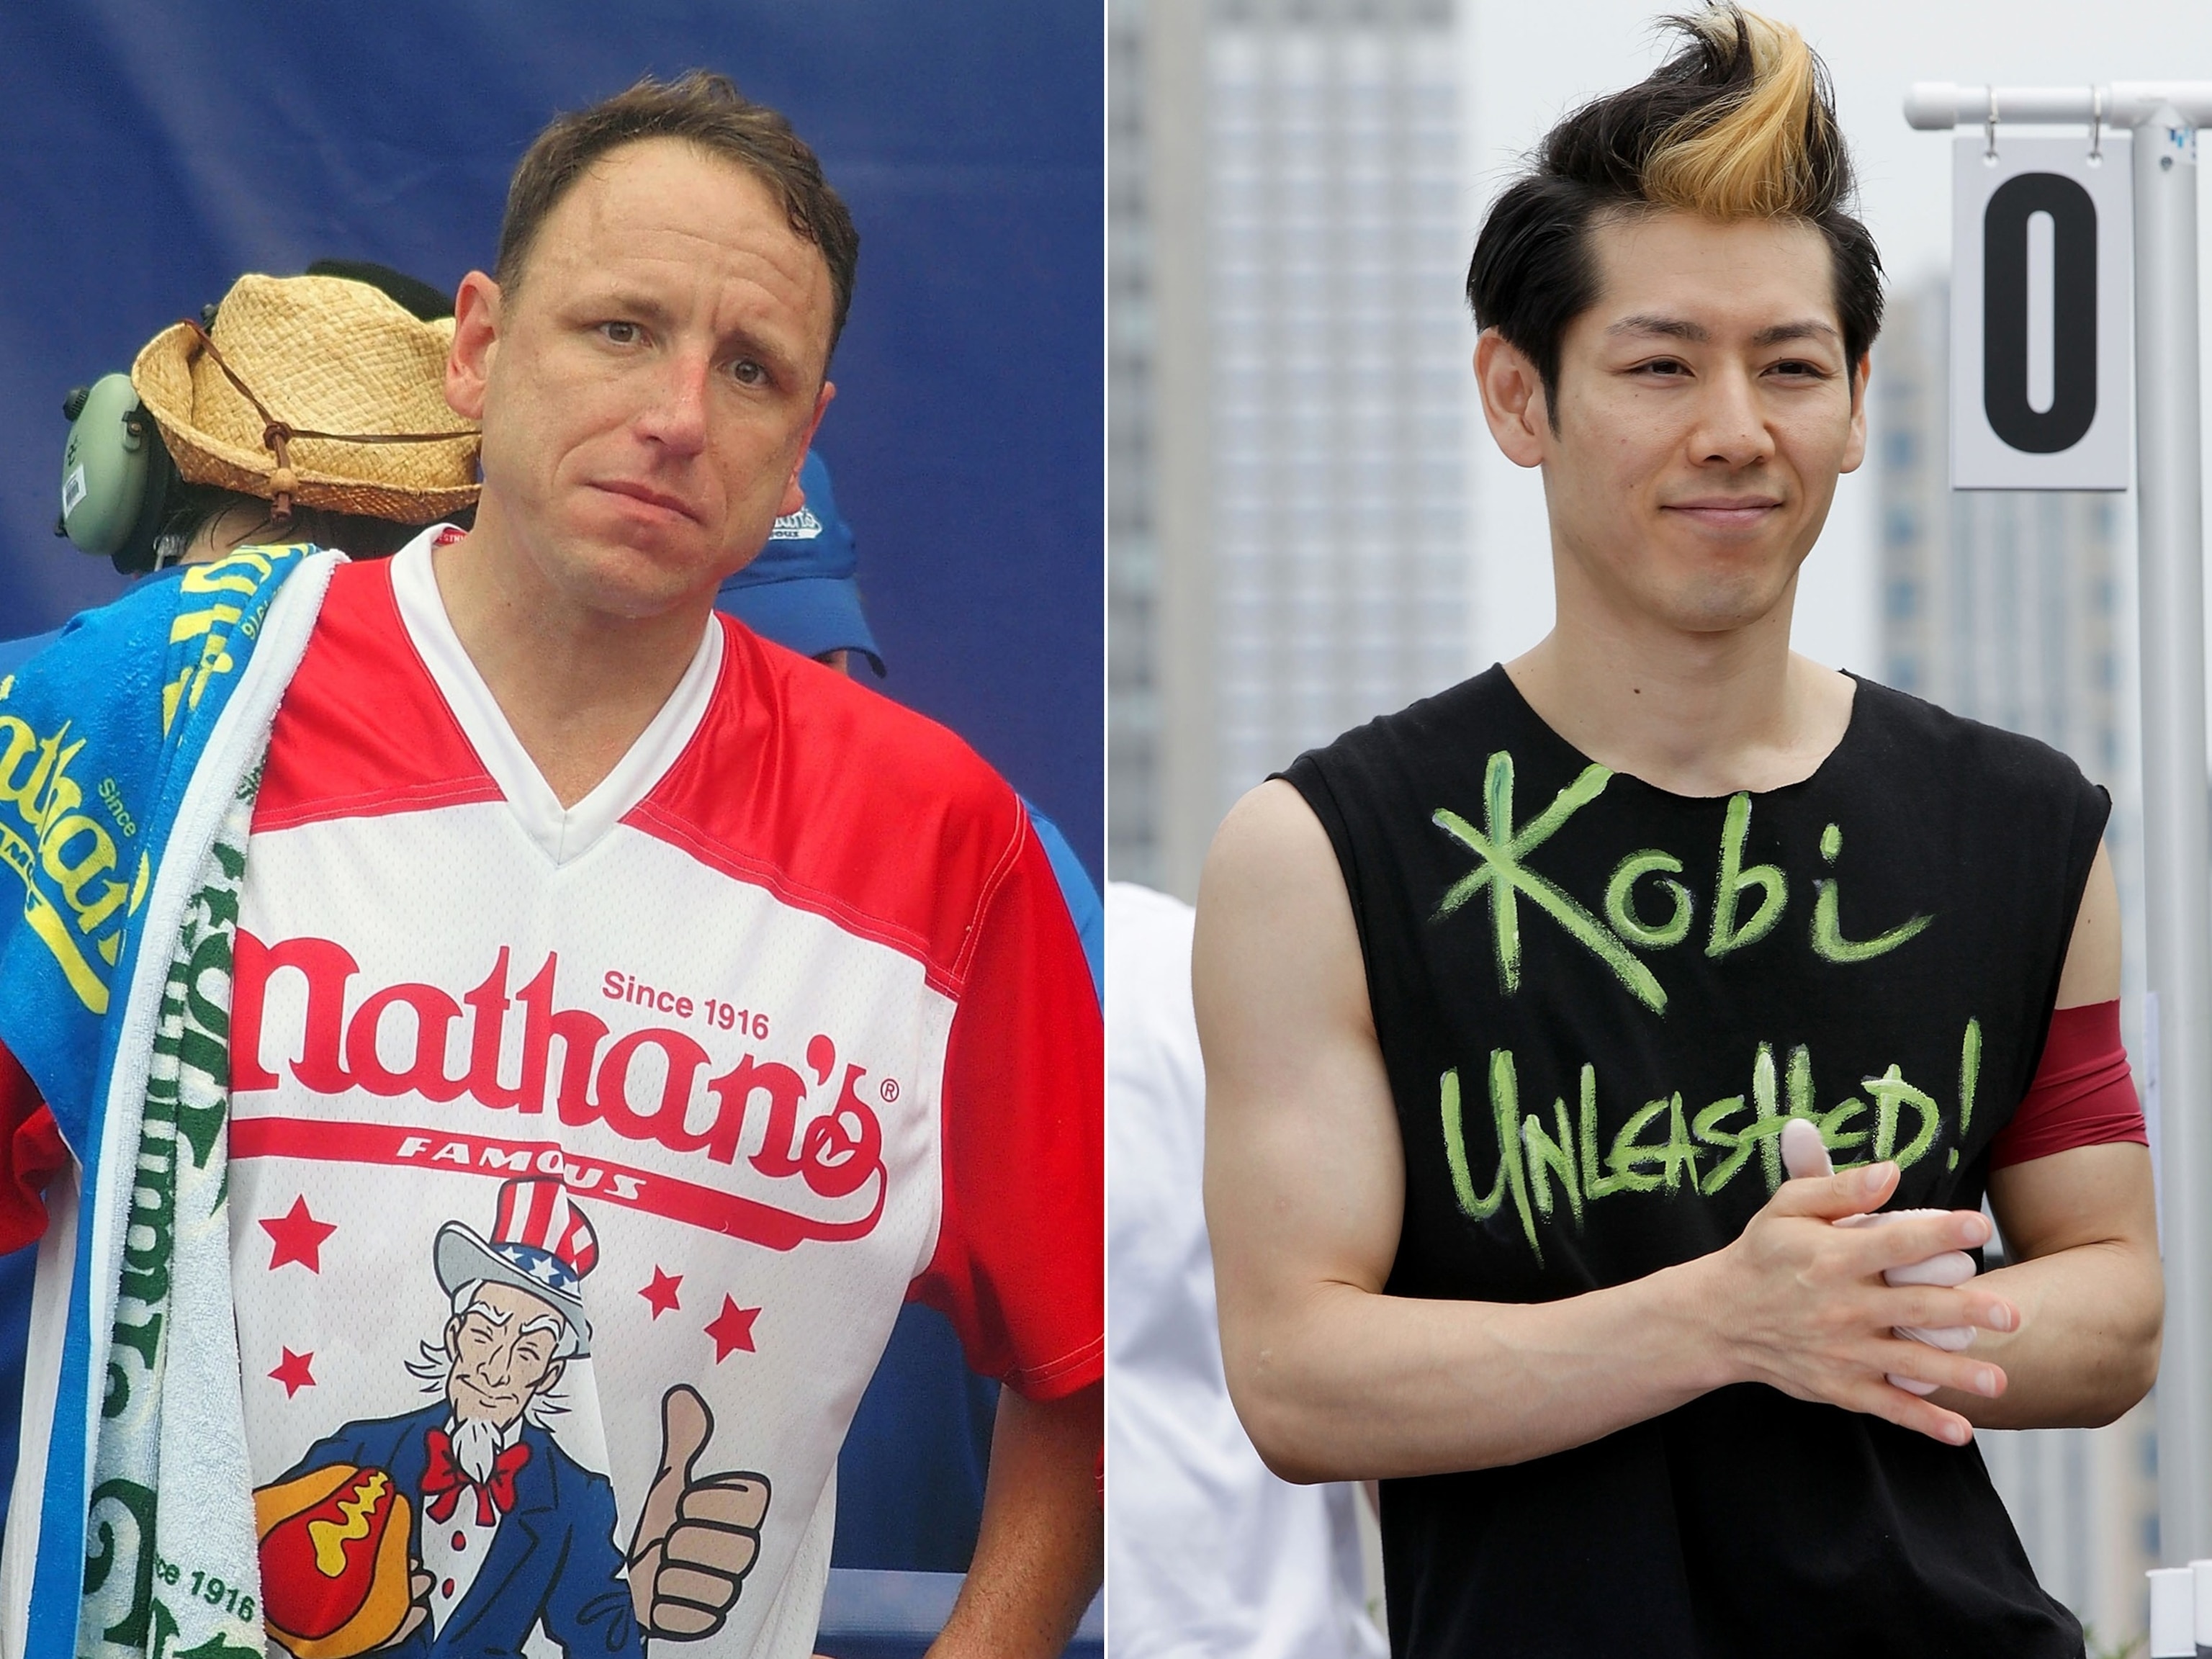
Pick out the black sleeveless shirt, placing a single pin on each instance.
(1598, 1004)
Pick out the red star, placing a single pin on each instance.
(732, 1328)
(661, 1293)
(293, 1373)
(299, 1238)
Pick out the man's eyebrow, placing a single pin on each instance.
(1674, 328)
(1809, 329)
(624, 302)
(1680, 328)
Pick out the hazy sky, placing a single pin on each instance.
(1529, 61)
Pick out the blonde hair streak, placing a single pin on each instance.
(1761, 152)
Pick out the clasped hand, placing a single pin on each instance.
(1807, 1310)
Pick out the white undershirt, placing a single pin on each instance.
(562, 832)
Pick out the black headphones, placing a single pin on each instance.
(118, 480)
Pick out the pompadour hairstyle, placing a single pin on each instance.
(702, 109)
(1740, 124)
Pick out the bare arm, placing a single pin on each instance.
(2082, 1233)
(1042, 1547)
(1304, 1195)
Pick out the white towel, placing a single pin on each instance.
(170, 1454)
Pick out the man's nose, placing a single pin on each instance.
(675, 417)
(1731, 429)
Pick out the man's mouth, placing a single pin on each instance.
(1725, 512)
(646, 495)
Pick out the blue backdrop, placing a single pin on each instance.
(150, 153)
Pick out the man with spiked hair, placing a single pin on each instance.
(1537, 1016)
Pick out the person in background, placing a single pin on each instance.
(1208, 1554)
(912, 1473)
(350, 346)
(191, 509)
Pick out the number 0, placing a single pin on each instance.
(2073, 305)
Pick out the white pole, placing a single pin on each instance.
(2177, 837)
(2177, 792)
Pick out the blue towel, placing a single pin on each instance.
(121, 747)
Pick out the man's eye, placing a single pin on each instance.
(620, 334)
(747, 371)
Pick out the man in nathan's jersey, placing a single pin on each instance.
(1534, 1013)
(742, 998)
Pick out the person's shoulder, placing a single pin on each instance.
(146, 606)
(1482, 705)
(842, 802)
(836, 725)
(1902, 735)
(1370, 776)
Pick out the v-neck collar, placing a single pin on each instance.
(561, 832)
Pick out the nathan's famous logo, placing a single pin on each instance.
(1664, 1144)
(1748, 899)
(238, 599)
(78, 892)
(79, 889)
(650, 1085)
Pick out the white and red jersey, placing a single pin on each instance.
(789, 1004)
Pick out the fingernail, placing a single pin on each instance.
(2003, 1318)
(1958, 1433)
(1985, 1382)
(1872, 1176)
(1974, 1231)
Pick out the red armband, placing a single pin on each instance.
(31, 1149)
(2083, 1094)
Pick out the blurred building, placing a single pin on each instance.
(1287, 524)
(2016, 609)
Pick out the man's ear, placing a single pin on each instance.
(453, 1338)
(794, 496)
(551, 1380)
(1513, 400)
(476, 342)
(1855, 448)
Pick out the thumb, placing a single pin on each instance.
(1831, 1197)
(685, 1426)
(1803, 1152)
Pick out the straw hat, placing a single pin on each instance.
(320, 354)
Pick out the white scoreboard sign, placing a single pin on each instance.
(2041, 352)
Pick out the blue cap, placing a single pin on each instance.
(802, 592)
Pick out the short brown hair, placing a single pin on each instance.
(702, 108)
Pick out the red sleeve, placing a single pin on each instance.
(1020, 1261)
(31, 1149)
(2083, 1094)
